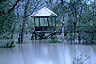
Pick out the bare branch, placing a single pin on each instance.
(34, 8)
(11, 9)
(18, 6)
(13, 6)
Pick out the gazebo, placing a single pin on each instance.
(42, 30)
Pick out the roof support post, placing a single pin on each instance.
(48, 21)
(34, 23)
(51, 21)
(55, 21)
(39, 21)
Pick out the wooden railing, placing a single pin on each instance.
(45, 28)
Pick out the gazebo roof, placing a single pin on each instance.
(44, 12)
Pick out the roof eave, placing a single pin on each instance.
(42, 16)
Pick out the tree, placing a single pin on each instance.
(7, 16)
(33, 4)
(9, 10)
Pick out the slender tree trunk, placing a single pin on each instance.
(15, 23)
(63, 29)
(23, 24)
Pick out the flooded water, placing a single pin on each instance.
(42, 52)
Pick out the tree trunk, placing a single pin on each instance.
(63, 30)
(23, 24)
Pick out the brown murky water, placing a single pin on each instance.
(42, 52)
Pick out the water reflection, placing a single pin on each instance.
(42, 52)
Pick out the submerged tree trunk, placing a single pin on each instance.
(63, 30)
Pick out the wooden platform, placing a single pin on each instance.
(41, 32)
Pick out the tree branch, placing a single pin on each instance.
(11, 9)
(31, 12)
(13, 6)
(34, 8)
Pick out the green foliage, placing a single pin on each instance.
(77, 13)
(5, 5)
(8, 45)
(7, 19)
(54, 39)
(5, 36)
(6, 23)
(80, 59)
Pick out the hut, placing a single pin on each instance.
(42, 30)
